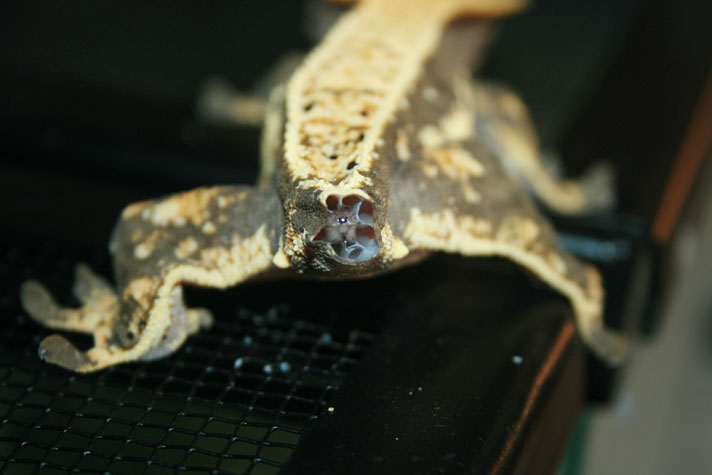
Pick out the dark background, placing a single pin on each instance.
(103, 94)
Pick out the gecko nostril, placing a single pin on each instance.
(351, 200)
(365, 235)
(365, 212)
(332, 202)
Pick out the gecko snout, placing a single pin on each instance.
(349, 227)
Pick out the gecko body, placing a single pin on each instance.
(379, 150)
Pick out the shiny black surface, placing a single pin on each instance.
(455, 384)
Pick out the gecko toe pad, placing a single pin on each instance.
(349, 228)
(38, 302)
(57, 350)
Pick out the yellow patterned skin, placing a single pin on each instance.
(378, 151)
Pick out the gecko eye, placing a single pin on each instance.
(349, 228)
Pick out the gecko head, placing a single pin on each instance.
(348, 234)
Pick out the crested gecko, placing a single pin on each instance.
(379, 150)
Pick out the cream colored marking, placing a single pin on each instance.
(471, 195)
(356, 80)
(441, 226)
(245, 258)
(430, 170)
(280, 259)
(456, 162)
(458, 165)
(458, 124)
(186, 247)
(223, 201)
(320, 184)
(294, 245)
(555, 260)
(135, 209)
(141, 289)
(191, 206)
(521, 231)
(430, 94)
(445, 232)
(392, 248)
(144, 250)
(402, 146)
(455, 126)
(430, 136)
(209, 228)
(400, 250)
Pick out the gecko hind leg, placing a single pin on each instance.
(503, 122)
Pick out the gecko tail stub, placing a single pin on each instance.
(349, 228)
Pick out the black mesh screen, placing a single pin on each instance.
(234, 399)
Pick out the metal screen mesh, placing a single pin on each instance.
(234, 399)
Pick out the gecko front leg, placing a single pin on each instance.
(212, 237)
(452, 192)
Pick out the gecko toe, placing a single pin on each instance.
(610, 346)
(58, 350)
(87, 284)
(38, 302)
(598, 187)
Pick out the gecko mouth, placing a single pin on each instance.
(349, 228)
